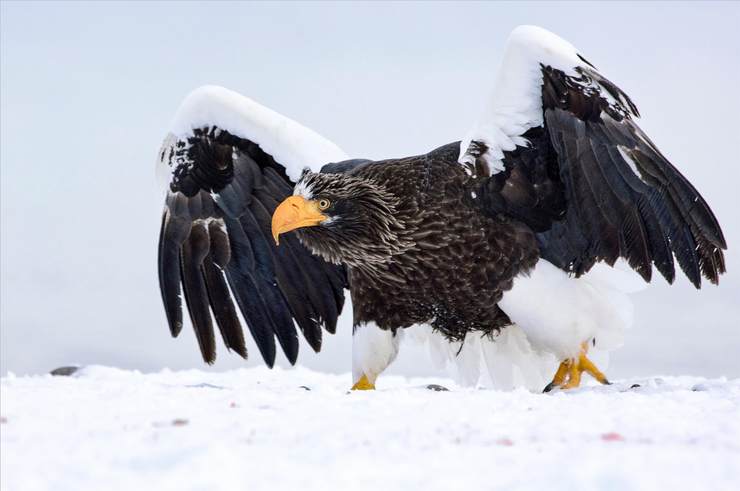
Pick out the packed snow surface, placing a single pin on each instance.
(254, 429)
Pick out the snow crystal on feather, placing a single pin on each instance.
(290, 143)
(516, 103)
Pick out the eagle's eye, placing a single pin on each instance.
(324, 204)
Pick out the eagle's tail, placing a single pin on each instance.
(504, 361)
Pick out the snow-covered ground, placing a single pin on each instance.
(254, 429)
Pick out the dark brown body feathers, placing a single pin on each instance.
(461, 260)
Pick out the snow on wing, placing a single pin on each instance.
(215, 241)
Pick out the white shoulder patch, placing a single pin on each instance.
(288, 142)
(516, 103)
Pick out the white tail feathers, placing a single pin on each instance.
(504, 361)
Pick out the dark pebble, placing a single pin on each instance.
(437, 388)
(64, 371)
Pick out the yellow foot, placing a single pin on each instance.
(569, 372)
(363, 384)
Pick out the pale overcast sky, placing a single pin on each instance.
(88, 90)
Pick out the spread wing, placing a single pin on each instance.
(565, 155)
(227, 163)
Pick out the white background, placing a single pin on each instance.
(88, 91)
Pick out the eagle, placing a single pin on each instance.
(522, 238)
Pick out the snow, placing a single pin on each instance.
(105, 428)
(290, 143)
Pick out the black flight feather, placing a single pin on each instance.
(194, 251)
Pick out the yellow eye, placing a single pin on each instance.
(324, 204)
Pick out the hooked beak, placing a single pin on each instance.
(295, 212)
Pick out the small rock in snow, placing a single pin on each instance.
(437, 388)
(64, 371)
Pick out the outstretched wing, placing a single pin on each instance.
(564, 155)
(227, 163)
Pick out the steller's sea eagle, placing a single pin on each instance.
(499, 246)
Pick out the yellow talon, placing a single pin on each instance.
(569, 372)
(363, 384)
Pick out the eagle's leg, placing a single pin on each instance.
(373, 349)
(569, 372)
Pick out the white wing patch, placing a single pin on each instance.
(290, 143)
(516, 103)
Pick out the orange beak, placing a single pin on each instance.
(295, 212)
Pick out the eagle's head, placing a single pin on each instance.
(343, 219)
